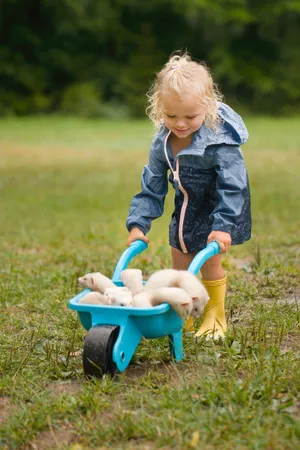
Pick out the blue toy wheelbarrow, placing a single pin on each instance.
(114, 332)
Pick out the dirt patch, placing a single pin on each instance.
(294, 410)
(6, 409)
(175, 375)
(166, 371)
(243, 263)
(30, 251)
(64, 387)
(289, 301)
(13, 310)
(292, 299)
(140, 369)
(50, 440)
(290, 342)
(144, 445)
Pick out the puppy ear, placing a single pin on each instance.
(92, 281)
(185, 304)
(195, 299)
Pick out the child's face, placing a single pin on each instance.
(182, 114)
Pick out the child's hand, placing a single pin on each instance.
(223, 239)
(135, 234)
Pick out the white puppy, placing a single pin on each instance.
(183, 280)
(142, 300)
(115, 297)
(94, 298)
(177, 298)
(120, 296)
(96, 282)
(133, 280)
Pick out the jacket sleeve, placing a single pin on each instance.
(232, 188)
(149, 203)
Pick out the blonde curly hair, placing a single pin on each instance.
(182, 75)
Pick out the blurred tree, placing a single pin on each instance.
(135, 78)
(47, 47)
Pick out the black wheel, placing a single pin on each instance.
(97, 352)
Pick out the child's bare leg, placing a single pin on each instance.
(181, 261)
(212, 269)
(214, 279)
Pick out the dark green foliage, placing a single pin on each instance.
(114, 47)
(81, 99)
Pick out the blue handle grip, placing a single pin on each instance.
(210, 250)
(134, 249)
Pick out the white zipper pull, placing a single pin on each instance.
(176, 171)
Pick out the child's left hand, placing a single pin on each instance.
(223, 239)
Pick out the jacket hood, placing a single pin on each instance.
(232, 125)
(231, 131)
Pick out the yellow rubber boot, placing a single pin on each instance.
(214, 322)
(189, 325)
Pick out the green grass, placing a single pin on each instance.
(66, 186)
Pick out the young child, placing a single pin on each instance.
(198, 141)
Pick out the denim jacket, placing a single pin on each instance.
(209, 178)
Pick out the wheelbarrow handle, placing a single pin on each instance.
(134, 249)
(210, 250)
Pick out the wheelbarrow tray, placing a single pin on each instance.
(132, 323)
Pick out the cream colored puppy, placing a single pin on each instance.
(183, 280)
(114, 297)
(120, 296)
(133, 280)
(94, 298)
(177, 298)
(96, 282)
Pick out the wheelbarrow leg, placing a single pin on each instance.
(126, 344)
(176, 346)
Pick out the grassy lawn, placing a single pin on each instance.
(66, 185)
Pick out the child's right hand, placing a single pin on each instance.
(135, 234)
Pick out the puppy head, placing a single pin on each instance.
(87, 280)
(198, 305)
(183, 309)
(119, 296)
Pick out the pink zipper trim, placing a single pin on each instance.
(185, 196)
(165, 150)
(183, 208)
